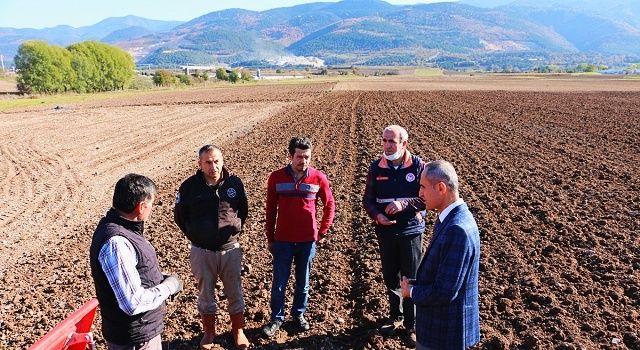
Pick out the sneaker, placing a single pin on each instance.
(271, 328)
(390, 326)
(302, 323)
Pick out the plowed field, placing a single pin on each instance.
(551, 177)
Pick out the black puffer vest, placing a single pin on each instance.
(118, 327)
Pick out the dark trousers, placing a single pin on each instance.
(400, 256)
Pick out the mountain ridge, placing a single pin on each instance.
(374, 31)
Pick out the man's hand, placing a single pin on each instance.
(393, 208)
(174, 283)
(383, 220)
(405, 286)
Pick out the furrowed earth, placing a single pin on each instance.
(550, 174)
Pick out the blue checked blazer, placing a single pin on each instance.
(445, 291)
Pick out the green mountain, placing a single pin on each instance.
(438, 28)
(374, 32)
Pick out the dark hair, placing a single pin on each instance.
(302, 143)
(208, 148)
(131, 190)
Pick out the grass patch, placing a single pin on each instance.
(50, 100)
(428, 72)
(631, 77)
(6, 77)
(586, 73)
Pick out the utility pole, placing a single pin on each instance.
(2, 61)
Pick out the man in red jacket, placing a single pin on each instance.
(292, 231)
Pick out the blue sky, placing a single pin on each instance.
(77, 13)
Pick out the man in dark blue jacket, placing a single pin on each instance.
(391, 200)
(445, 290)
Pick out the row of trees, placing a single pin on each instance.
(88, 66)
(234, 76)
(580, 68)
(163, 77)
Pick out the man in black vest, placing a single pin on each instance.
(129, 285)
(391, 200)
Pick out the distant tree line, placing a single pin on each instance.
(580, 68)
(88, 66)
(163, 77)
(234, 76)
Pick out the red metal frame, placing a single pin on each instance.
(73, 333)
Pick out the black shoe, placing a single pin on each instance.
(410, 337)
(271, 328)
(391, 325)
(302, 323)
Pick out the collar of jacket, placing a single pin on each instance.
(407, 161)
(225, 175)
(134, 226)
(290, 171)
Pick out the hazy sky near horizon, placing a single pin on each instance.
(78, 13)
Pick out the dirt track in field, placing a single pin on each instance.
(552, 179)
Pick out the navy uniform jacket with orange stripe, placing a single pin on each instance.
(386, 184)
(291, 206)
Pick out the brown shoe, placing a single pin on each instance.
(209, 326)
(237, 324)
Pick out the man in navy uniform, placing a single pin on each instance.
(391, 200)
(445, 290)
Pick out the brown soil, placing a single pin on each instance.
(552, 179)
(7, 87)
(493, 82)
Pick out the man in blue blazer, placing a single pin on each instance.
(445, 290)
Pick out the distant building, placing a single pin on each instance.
(188, 69)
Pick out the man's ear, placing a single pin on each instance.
(137, 210)
(442, 187)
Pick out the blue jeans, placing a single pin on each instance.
(284, 254)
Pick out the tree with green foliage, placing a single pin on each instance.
(184, 79)
(163, 77)
(234, 76)
(586, 68)
(43, 68)
(246, 75)
(85, 64)
(221, 74)
(83, 67)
